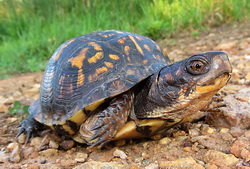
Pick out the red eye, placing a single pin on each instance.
(197, 66)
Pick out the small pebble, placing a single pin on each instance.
(120, 143)
(21, 139)
(36, 142)
(43, 161)
(120, 154)
(207, 130)
(67, 144)
(152, 166)
(81, 157)
(53, 144)
(49, 152)
(28, 151)
(224, 130)
(15, 155)
(68, 163)
(145, 155)
(165, 140)
(33, 166)
(11, 146)
(194, 132)
(236, 131)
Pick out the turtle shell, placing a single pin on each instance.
(86, 70)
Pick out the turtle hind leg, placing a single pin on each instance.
(29, 126)
(101, 128)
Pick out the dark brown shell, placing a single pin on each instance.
(90, 68)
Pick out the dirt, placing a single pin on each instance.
(216, 141)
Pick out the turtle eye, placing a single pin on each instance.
(197, 67)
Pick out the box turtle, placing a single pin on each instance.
(111, 85)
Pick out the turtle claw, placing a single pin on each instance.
(29, 127)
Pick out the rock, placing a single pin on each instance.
(53, 144)
(67, 144)
(15, 155)
(33, 166)
(102, 155)
(28, 151)
(3, 157)
(193, 132)
(36, 142)
(241, 148)
(220, 159)
(81, 157)
(165, 140)
(68, 163)
(4, 140)
(226, 45)
(120, 143)
(236, 113)
(101, 165)
(21, 139)
(182, 163)
(152, 166)
(49, 152)
(11, 146)
(120, 154)
(207, 130)
(236, 131)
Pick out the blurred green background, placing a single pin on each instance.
(31, 30)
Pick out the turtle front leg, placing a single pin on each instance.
(101, 127)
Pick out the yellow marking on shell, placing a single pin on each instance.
(121, 41)
(126, 50)
(105, 36)
(78, 60)
(158, 47)
(129, 59)
(158, 56)
(56, 55)
(139, 38)
(80, 78)
(114, 57)
(95, 45)
(98, 71)
(145, 61)
(147, 47)
(109, 64)
(136, 44)
(96, 57)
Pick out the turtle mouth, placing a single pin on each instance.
(214, 84)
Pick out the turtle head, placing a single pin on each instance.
(188, 86)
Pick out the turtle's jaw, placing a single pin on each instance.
(213, 85)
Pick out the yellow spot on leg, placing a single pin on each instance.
(136, 44)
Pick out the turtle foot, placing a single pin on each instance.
(29, 127)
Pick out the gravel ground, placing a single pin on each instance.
(217, 141)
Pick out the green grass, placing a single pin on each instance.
(31, 30)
